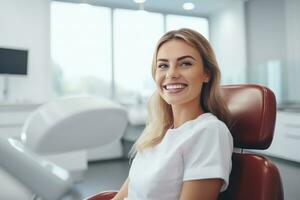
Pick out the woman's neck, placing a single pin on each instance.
(183, 113)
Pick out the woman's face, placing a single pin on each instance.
(179, 73)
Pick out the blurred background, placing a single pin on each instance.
(104, 48)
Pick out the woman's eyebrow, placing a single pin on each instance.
(178, 59)
(187, 56)
(162, 59)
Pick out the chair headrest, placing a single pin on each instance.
(253, 113)
(74, 123)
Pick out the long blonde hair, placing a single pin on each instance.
(160, 116)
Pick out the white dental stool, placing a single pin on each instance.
(51, 155)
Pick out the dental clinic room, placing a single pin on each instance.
(149, 100)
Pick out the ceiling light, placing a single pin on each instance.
(188, 6)
(139, 1)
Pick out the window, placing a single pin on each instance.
(135, 37)
(108, 52)
(81, 49)
(196, 23)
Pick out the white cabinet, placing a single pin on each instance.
(286, 141)
(12, 118)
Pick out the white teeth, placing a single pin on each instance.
(175, 86)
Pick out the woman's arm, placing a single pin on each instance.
(123, 193)
(205, 189)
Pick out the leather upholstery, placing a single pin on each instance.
(253, 114)
(102, 196)
(253, 177)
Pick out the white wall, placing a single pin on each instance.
(273, 34)
(25, 24)
(265, 38)
(292, 14)
(227, 36)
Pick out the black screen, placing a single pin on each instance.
(13, 61)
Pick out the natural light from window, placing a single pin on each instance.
(108, 52)
(81, 48)
(196, 23)
(136, 34)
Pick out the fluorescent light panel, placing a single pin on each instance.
(188, 6)
(139, 1)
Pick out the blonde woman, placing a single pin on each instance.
(185, 150)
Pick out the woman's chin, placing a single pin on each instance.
(174, 102)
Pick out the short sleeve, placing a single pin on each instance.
(207, 153)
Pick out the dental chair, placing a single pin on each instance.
(253, 114)
(58, 127)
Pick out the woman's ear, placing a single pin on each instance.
(206, 78)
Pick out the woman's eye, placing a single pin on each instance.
(162, 66)
(186, 64)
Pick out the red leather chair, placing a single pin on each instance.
(253, 114)
(103, 196)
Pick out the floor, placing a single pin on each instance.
(290, 176)
(109, 175)
(104, 176)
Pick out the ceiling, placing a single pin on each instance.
(202, 7)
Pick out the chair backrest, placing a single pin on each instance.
(253, 113)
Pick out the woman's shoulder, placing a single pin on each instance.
(208, 120)
(206, 131)
(205, 127)
(210, 125)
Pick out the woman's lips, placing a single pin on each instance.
(174, 87)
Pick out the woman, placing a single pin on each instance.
(185, 150)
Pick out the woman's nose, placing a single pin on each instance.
(172, 73)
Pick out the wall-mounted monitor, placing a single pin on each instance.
(13, 61)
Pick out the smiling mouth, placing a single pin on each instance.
(175, 87)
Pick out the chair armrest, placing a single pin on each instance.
(42, 177)
(108, 195)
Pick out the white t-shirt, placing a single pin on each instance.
(198, 149)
